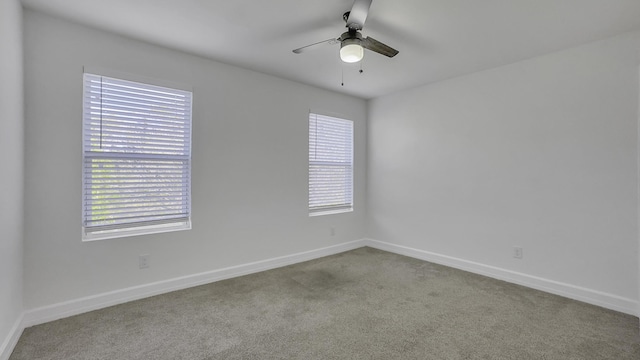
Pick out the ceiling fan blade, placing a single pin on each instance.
(316, 45)
(376, 46)
(358, 14)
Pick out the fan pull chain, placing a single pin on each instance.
(342, 72)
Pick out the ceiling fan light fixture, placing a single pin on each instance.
(351, 51)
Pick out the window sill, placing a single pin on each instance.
(142, 230)
(330, 212)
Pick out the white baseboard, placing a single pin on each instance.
(12, 339)
(99, 301)
(594, 297)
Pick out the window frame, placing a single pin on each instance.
(349, 152)
(147, 226)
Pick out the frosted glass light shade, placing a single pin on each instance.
(351, 52)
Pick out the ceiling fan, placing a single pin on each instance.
(352, 44)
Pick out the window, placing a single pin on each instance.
(136, 157)
(330, 165)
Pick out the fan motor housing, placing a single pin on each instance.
(351, 36)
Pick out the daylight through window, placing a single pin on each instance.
(330, 164)
(136, 158)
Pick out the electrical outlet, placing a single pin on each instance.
(143, 261)
(333, 231)
(517, 252)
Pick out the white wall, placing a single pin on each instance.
(249, 167)
(540, 154)
(11, 158)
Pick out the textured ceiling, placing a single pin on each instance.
(437, 39)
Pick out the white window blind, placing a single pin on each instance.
(330, 164)
(136, 156)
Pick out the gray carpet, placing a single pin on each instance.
(362, 304)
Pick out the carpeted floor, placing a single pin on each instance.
(362, 304)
